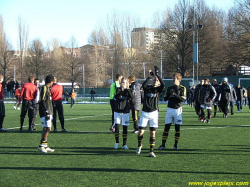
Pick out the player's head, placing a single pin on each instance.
(131, 79)
(206, 81)
(225, 80)
(214, 81)
(31, 78)
(49, 80)
(55, 80)
(177, 78)
(156, 81)
(119, 77)
(36, 82)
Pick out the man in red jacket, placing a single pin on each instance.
(2, 107)
(56, 94)
(28, 94)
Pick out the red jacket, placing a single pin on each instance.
(28, 92)
(1, 91)
(56, 92)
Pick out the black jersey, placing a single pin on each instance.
(151, 95)
(122, 99)
(175, 95)
(45, 103)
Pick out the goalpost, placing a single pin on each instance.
(244, 82)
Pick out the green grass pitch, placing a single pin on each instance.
(84, 156)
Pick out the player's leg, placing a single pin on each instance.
(125, 124)
(118, 119)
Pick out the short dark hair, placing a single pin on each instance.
(49, 79)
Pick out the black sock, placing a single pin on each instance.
(116, 133)
(177, 134)
(125, 134)
(165, 134)
(152, 143)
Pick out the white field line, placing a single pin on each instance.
(205, 128)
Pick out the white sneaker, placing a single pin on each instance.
(151, 154)
(14, 107)
(116, 145)
(238, 111)
(3, 130)
(125, 147)
(49, 149)
(138, 150)
(42, 149)
(18, 108)
(241, 110)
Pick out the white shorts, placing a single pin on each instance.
(46, 123)
(206, 107)
(121, 118)
(149, 117)
(174, 116)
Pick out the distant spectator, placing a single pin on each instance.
(92, 95)
(17, 95)
(73, 96)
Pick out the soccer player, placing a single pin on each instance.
(115, 85)
(73, 96)
(175, 95)
(207, 97)
(17, 95)
(28, 94)
(56, 94)
(152, 87)
(215, 102)
(36, 109)
(240, 91)
(46, 113)
(196, 99)
(135, 104)
(121, 114)
(2, 106)
(224, 98)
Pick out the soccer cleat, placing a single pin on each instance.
(238, 111)
(34, 129)
(64, 130)
(161, 147)
(3, 130)
(42, 149)
(241, 110)
(18, 108)
(14, 107)
(151, 154)
(204, 121)
(125, 147)
(116, 146)
(49, 149)
(21, 129)
(208, 121)
(175, 148)
(138, 150)
(55, 130)
(135, 131)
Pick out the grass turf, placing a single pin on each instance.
(84, 156)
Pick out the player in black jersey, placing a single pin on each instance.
(152, 87)
(121, 112)
(175, 95)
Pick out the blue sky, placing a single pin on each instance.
(48, 19)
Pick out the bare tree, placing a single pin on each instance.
(5, 50)
(72, 64)
(35, 59)
(22, 43)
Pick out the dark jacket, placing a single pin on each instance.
(226, 92)
(175, 96)
(239, 93)
(217, 89)
(122, 99)
(207, 95)
(197, 92)
(136, 91)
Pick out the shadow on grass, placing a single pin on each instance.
(118, 170)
